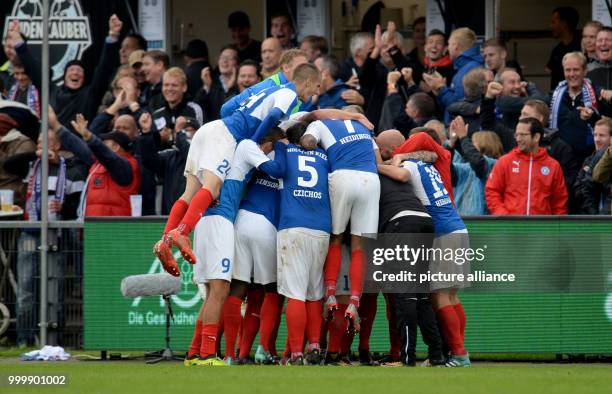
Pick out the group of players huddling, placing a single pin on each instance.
(269, 195)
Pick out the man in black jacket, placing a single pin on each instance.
(74, 96)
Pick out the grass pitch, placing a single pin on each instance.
(132, 377)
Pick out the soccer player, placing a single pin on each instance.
(255, 257)
(214, 243)
(211, 153)
(303, 239)
(450, 233)
(354, 190)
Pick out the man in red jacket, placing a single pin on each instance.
(527, 181)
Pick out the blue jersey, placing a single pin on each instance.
(257, 109)
(348, 143)
(263, 197)
(430, 189)
(304, 190)
(235, 102)
(247, 157)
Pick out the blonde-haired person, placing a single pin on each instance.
(589, 38)
(473, 161)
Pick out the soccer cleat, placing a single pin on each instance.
(229, 361)
(264, 358)
(244, 361)
(313, 357)
(345, 360)
(295, 360)
(183, 244)
(211, 361)
(352, 317)
(190, 361)
(163, 251)
(365, 359)
(332, 359)
(459, 361)
(434, 362)
(331, 305)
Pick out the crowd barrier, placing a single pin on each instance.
(561, 318)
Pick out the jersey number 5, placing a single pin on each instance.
(304, 167)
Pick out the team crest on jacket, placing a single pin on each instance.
(69, 31)
(545, 170)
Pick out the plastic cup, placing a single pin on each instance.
(6, 200)
(136, 204)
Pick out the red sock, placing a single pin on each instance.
(209, 340)
(198, 205)
(251, 321)
(367, 313)
(332, 268)
(232, 318)
(196, 340)
(450, 327)
(462, 319)
(287, 351)
(269, 315)
(314, 316)
(176, 215)
(296, 324)
(336, 329)
(356, 275)
(274, 335)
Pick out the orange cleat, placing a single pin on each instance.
(183, 244)
(163, 251)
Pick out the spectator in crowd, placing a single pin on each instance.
(361, 45)
(436, 58)
(416, 57)
(281, 27)
(563, 25)
(474, 85)
(6, 77)
(465, 54)
(154, 65)
(218, 85)
(472, 164)
(125, 94)
(110, 96)
(440, 130)
(248, 49)
(175, 102)
(601, 70)
(132, 42)
(314, 47)
(135, 62)
(248, 75)
(589, 40)
(13, 144)
(588, 194)
(495, 56)
(23, 91)
(73, 96)
(167, 164)
(417, 110)
(334, 93)
(196, 59)
(602, 173)
(514, 95)
(271, 51)
(551, 140)
(527, 181)
(376, 67)
(574, 105)
(113, 175)
(65, 183)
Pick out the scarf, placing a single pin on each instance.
(32, 95)
(33, 195)
(589, 99)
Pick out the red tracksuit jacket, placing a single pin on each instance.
(526, 184)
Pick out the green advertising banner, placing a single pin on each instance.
(528, 321)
